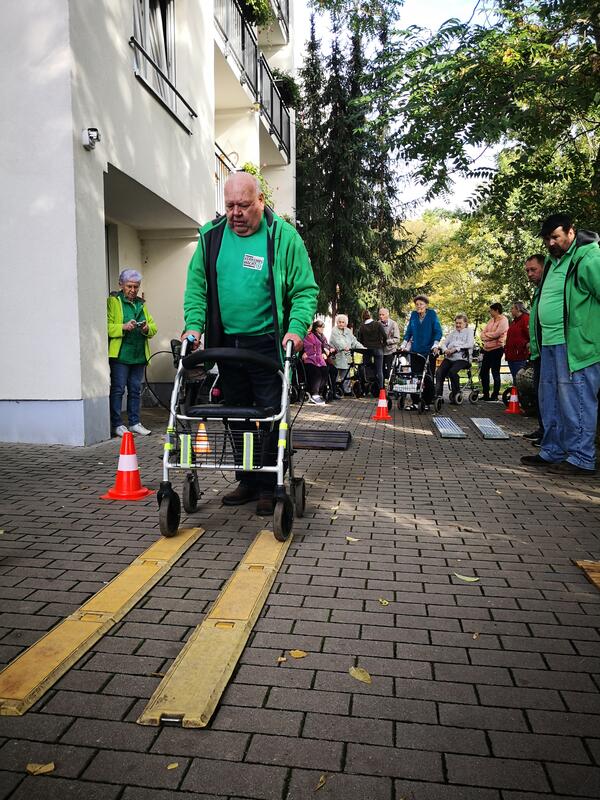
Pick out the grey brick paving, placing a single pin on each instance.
(485, 691)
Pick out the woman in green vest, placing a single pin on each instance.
(130, 327)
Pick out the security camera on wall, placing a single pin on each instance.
(89, 137)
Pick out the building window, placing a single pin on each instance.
(154, 30)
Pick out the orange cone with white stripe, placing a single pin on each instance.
(128, 485)
(513, 403)
(201, 443)
(382, 412)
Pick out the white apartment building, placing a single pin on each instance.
(120, 122)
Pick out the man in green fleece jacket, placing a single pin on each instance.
(566, 326)
(250, 285)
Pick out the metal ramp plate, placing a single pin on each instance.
(448, 429)
(488, 429)
(314, 439)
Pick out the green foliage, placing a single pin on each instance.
(346, 188)
(257, 12)
(252, 169)
(526, 80)
(288, 88)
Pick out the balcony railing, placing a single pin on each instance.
(274, 108)
(223, 168)
(239, 39)
(282, 8)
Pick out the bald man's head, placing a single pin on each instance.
(244, 203)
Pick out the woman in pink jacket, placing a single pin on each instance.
(493, 339)
(316, 351)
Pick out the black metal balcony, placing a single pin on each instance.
(282, 9)
(239, 39)
(274, 108)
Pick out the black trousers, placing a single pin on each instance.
(491, 361)
(418, 365)
(536, 385)
(450, 369)
(316, 378)
(250, 385)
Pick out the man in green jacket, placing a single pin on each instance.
(566, 327)
(250, 285)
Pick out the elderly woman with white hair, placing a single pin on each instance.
(457, 347)
(130, 327)
(344, 341)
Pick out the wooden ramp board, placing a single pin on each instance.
(448, 429)
(314, 439)
(592, 571)
(488, 428)
(33, 672)
(193, 685)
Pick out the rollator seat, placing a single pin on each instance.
(221, 412)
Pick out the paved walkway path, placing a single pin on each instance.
(480, 691)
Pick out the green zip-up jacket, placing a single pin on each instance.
(114, 314)
(291, 281)
(581, 304)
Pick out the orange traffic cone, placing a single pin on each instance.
(382, 412)
(201, 443)
(128, 485)
(513, 403)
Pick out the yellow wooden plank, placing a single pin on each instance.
(33, 672)
(591, 570)
(190, 691)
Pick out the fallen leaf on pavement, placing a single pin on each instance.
(360, 674)
(281, 659)
(174, 765)
(351, 539)
(384, 602)
(333, 519)
(298, 653)
(321, 783)
(476, 636)
(467, 578)
(156, 674)
(40, 769)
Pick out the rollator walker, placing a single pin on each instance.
(228, 438)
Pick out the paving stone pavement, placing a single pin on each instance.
(480, 691)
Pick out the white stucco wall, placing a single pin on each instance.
(37, 206)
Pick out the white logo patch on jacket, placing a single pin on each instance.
(253, 262)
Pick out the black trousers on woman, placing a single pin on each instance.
(491, 361)
(451, 369)
(316, 378)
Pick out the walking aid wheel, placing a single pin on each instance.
(506, 396)
(458, 398)
(191, 493)
(474, 396)
(401, 402)
(299, 495)
(439, 402)
(357, 389)
(169, 514)
(422, 407)
(283, 519)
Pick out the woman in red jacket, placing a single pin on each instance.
(516, 349)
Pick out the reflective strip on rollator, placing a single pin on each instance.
(186, 449)
(282, 441)
(248, 450)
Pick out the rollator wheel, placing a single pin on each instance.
(439, 402)
(422, 407)
(474, 396)
(294, 394)
(298, 491)
(401, 402)
(451, 397)
(283, 519)
(169, 514)
(458, 398)
(506, 396)
(338, 393)
(389, 404)
(191, 493)
(357, 389)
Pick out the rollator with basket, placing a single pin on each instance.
(406, 380)
(228, 438)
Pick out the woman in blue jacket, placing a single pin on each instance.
(423, 333)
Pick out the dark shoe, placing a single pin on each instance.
(242, 494)
(265, 505)
(494, 397)
(566, 468)
(485, 397)
(535, 461)
(534, 434)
